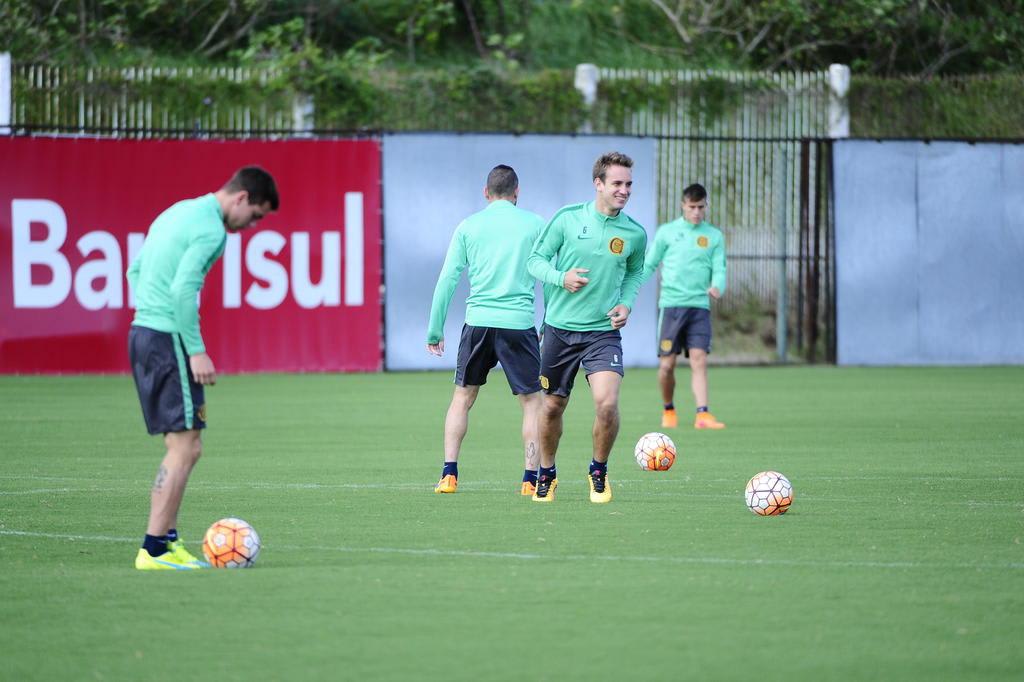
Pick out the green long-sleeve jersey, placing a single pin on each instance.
(181, 246)
(694, 261)
(493, 244)
(610, 247)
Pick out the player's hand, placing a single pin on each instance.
(202, 369)
(574, 280)
(436, 348)
(714, 293)
(618, 315)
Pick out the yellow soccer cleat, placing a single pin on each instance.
(706, 420)
(600, 489)
(669, 420)
(164, 562)
(545, 491)
(447, 484)
(177, 548)
(529, 488)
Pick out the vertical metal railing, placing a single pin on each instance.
(142, 100)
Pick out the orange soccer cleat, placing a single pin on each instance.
(447, 484)
(706, 420)
(669, 420)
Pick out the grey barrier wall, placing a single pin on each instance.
(432, 181)
(929, 253)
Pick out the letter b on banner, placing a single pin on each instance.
(46, 253)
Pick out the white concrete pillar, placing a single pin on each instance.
(587, 78)
(838, 104)
(6, 89)
(302, 114)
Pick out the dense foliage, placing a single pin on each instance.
(877, 37)
(507, 64)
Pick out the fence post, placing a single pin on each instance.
(586, 80)
(838, 104)
(781, 302)
(6, 88)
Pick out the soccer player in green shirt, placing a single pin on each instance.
(494, 244)
(590, 258)
(168, 357)
(693, 253)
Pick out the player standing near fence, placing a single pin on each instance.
(168, 357)
(692, 252)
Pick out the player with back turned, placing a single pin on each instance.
(493, 244)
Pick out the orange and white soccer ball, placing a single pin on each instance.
(769, 493)
(231, 543)
(655, 452)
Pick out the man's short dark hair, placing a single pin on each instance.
(257, 182)
(602, 165)
(695, 192)
(502, 182)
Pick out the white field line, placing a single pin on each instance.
(654, 477)
(478, 486)
(531, 556)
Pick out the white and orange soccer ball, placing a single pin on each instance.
(655, 452)
(769, 493)
(231, 543)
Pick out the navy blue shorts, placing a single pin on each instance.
(170, 397)
(518, 351)
(683, 329)
(563, 351)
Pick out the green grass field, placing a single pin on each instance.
(901, 558)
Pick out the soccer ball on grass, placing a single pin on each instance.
(769, 493)
(655, 452)
(231, 543)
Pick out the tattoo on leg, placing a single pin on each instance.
(161, 476)
(532, 458)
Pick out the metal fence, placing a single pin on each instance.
(763, 155)
(146, 101)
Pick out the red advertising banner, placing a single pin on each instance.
(300, 291)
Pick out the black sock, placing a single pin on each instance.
(703, 408)
(172, 535)
(549, 474)
(601, 468)
(670, 406)
(530, 476)
(155, 545)
(450, 469)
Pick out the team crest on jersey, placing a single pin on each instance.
(616, 245)
(666, 345)
(201, 412)
(702, 242)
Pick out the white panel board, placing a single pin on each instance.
(1009, 256)
(960, 218)
(876, 246)
(929, 246)
(434, 180)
